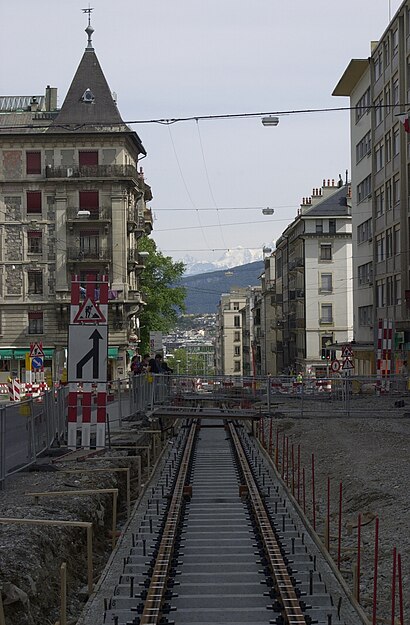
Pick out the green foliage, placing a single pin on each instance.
(165, 302)
(185, 362)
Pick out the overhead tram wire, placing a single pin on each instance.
(186, 186)
(209, 182)
(174, 120)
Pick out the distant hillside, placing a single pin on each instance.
(204, 290)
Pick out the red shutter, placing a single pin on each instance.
(89, 233)
(33, 162)
(37, 314)
(34, 234)
(87, 159)
(89, 201)
(34, 201)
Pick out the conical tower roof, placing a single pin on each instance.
(89, 101)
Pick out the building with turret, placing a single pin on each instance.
(72, 201)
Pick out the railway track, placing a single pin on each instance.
(219, 542)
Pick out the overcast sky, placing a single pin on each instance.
(190, 58)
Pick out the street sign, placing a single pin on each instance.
(36, 349)
(335, 366)
(37, 362)
(89, 312)
(87, 353)
(347, 351)
(347, 365)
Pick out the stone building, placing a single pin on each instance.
(72, 201)
(379, 88)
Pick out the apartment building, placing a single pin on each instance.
(72, 201)
(379, 88)
(232, 336)
(268, 359)
(313, 283)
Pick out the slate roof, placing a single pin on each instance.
(102, 110)
(333, 205)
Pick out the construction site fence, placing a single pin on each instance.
(30, 427)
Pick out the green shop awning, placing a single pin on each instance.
(6, 354)
(113, 352)
(20, 354)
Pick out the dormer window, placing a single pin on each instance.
(88, 96)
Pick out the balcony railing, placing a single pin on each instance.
(94, 171)
(97, 214)
(80, 255)
(325, 320)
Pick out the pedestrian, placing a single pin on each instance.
(155, 364)
(166, 368)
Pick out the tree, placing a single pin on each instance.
(158, 284)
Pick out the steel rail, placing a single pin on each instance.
(292, 612)
(151, 614)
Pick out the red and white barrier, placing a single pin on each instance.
(14, 388)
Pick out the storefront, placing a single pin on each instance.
(14, 362)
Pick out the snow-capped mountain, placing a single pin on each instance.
(231, 258)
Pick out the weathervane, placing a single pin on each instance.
(89, 30)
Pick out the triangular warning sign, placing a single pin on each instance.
(36, 349)
(347, 364)
(89, 313)
(347, 351)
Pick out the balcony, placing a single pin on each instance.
(80, 255)
(94, 171)
(136, 221)
(98, 214)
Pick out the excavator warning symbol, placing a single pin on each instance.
(89, 313)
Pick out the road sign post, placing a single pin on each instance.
(87, 359)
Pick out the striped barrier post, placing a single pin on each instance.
(14, 387)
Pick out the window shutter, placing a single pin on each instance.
(33, 162)
(89, 201)
(34, 201)
(88, 158)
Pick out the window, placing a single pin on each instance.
(396, 140)
(319, 226)
(237, 350)
(396, 95)
(236, 305)
(332, 226)
(379, 202)
(379, 156)
(35, 322)
(380, 295)
(325, 251)
(365, 315)
(389, 291)
(397, 289)
(236, 336)
(378, 110)
(89, 201)
(364, 230)
(395, 40)
(364, 188)
(326, 313)
(389, 243)
(87, 158)
(380, 247)
(35, 282)
(326, 283)
(396, 190)
(387, 99)
(237, 366)
(378, 65)
(34, 202)
(237, 321)
(387, 146)
(363, 105)
(396, 240)
(34, 242)
(89, 244)
(389, 196)
(364, 146)
(387, 52)
(365, 274)
(33, 163)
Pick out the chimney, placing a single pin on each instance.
(33, 104)
(51, 98)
